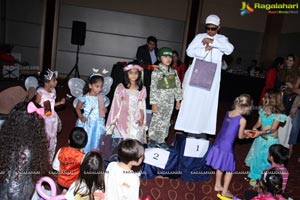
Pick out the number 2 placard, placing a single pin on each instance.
(156, 157)
(195, 148)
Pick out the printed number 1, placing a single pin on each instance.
(156, 155)
(197, 148)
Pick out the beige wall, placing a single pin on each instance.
(229, 12)
(175, 9)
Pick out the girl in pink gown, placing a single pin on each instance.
(45, 97)
(128, 110)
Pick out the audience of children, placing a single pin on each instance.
(68, 159)
(128, 110)
(93, 117)
(270, 186)
(221, 156)
(90, 183)
(278, 157)
(84, 177)
(45, 97)
(165, 87)
(23, 151)
(121, 182)
(270, 115)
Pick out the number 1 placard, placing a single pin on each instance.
(156, 157)
(195, 148)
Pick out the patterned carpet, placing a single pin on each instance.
(177, 189)
(161, 188)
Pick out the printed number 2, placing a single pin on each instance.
(156, 155)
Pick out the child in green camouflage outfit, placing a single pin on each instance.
(165, 87)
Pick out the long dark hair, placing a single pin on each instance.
(272, 181)
(19, 132)
(178, 62)
(92, 80)
(139, 81)
(92, 174)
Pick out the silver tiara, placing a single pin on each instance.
(49, 74)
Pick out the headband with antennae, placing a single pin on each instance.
(96, 73)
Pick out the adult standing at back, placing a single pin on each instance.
(147, 55)
(198, 112)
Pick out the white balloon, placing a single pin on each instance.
(31, 81)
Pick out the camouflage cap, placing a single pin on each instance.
(165, 51)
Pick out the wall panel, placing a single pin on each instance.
(112, 36)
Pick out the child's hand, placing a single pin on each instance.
(115, 122)
(62, 101)
(83, 119)
(155, 66)
(251, 133)
(207, 41)
(154, 108)
(289, 85)
(208, 48)
(177, 105)
(140, 122)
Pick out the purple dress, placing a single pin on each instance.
(221, 154)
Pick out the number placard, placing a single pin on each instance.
(156, 157)
(195, 148)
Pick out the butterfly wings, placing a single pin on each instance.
(76, 86)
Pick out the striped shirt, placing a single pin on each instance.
(284, 172)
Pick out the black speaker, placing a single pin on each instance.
(78, 32)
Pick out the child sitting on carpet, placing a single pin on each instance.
(90, 184)
(270, 185)
(121, 182)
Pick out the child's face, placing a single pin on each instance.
(175, 57)
(166, 60)
(53, 82)
(96, 87)
(133, 75)
(270, 158)
(246, 110)
(290, 62)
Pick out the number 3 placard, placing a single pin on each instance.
(195, 148)
(156, 157)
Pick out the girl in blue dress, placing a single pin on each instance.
(221, 156)
(93, 117)
(266, 134)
